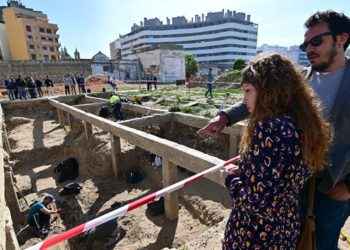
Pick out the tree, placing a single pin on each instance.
(191, 65)
(239, 64)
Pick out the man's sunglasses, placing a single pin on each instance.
(315, 41)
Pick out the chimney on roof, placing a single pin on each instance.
(168, 21)
(203, 18)
(192, 20)
(141, 24)
(248, 18)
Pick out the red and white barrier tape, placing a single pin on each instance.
(127, 208)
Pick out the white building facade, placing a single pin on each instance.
(100, 63)
(293, 53)
(167, 62)
(4, 47)
(219, 38)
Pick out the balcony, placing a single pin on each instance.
(50, 43)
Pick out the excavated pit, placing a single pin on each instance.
(38, 143)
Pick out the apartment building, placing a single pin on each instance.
(29, 33)
(217, 38)
(293, 53)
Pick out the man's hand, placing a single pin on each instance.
(215, 126)
(340, 192)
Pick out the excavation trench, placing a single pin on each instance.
(38, 143)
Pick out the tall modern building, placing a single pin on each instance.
(30, 36)
(293, 53)
(217, 38)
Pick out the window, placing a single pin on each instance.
(46, 57)
(43, 38)
(28, 28)
(33, 57)
(41, 30)
(30, 37)
(49, 31)
(44, 48)
(31, 46)
(52, 49)
(50, 39)
(56, 40)
(53, 57)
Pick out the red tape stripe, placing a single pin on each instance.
(63, 236)
(142, 201)
(193, 180)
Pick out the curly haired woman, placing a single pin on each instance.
(284, 142)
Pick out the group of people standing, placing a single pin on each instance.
(297, 139)
(17, 88)
(70, 82)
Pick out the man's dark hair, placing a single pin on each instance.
(338, 23)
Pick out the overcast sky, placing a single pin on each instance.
(90, 25)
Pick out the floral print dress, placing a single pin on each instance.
(265, 212)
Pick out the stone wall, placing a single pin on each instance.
(39, 69)
(2, 192)
(8, 238)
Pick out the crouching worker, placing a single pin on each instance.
(39, 215)
(115, 101)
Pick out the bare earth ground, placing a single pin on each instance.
(203, 209)
(142, 230)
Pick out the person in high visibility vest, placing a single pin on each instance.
(115, 101)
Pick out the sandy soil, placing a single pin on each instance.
(39, 143)
(36, 156)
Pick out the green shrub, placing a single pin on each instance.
(178, 98)
(208, 115)
(231, 76)
(175, 108)
(191, 110)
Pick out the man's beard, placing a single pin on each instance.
(324, 65)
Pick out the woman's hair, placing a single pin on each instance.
(282, 89)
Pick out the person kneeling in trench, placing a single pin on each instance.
(115, 101)
(39, 215)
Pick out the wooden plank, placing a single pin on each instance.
(91, 99)
(116, 152)
(147, 120)
(200, 122)
(190, 104)
(26, 104)
(141, 109)
(181, 155)
(68, 119)
(68, 98)
(161, 99)
(88, 130)
(60, 115)
(91, 107)
(171, 201)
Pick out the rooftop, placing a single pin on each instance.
(181, 22)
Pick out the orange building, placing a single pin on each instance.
(29, 33)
